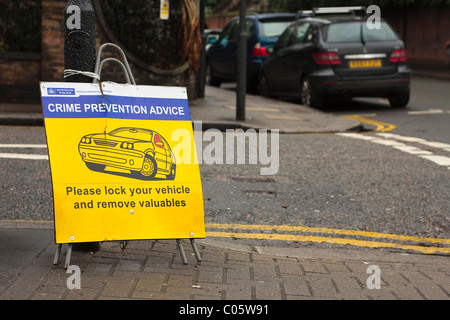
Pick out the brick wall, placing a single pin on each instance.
(52, 45)
(425, 31)
(20, 73)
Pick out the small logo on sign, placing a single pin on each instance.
(61, 91)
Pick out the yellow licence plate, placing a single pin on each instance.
(365, 63)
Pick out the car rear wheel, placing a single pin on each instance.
(264, 88)
(400, 100)
(148, 168)
(309, 97)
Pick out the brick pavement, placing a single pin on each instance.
(154, 270)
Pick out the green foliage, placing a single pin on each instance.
(20, 25)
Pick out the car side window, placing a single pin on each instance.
(229, 33)
(300, 34)
(249, 27)
(283, 41)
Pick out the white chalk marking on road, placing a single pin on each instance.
(433, 144)
(440, 160)
(413, 150)
(424, 154)
(399, 137)
(23, 156)
(429, 111)
(24, 146)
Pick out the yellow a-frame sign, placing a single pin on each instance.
(114, 157)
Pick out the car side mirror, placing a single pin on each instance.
(224, 42)
(212, 40)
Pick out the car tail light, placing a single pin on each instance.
(259, 51)
(398, 55)
(326, 58)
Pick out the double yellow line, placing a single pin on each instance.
(423, 245)
(285, 233)
(379, 125)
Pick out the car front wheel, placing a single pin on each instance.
(95, 166)
(309, 97)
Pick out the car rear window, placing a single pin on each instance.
(132, 134)
(273, 28)
(351, 32)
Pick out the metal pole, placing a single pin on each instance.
(202, 71)
(241, 80)
(79, 38)
(79, 54)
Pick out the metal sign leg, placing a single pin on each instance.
(68, 256)
(196, 252)
(57, 253)
(183, 255)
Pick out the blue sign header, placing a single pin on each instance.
(57, 104)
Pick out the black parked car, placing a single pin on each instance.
(263, 31)
(337, 56)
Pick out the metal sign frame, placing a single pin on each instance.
(91, 160)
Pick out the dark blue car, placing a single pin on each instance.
(263, 31)
(337, 54)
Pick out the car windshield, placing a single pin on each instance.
(351, 32)
(273, 28)
(131, 133)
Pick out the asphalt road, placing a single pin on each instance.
(427, 115)
(362, 187)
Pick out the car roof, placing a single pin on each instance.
(334, 18)
(263, 16)
(133, 128)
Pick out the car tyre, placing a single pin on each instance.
(173, 172)
(149, 167)
(309, 97)
(400, 100)
(95, 166)
(264, 88)
(211, 79)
